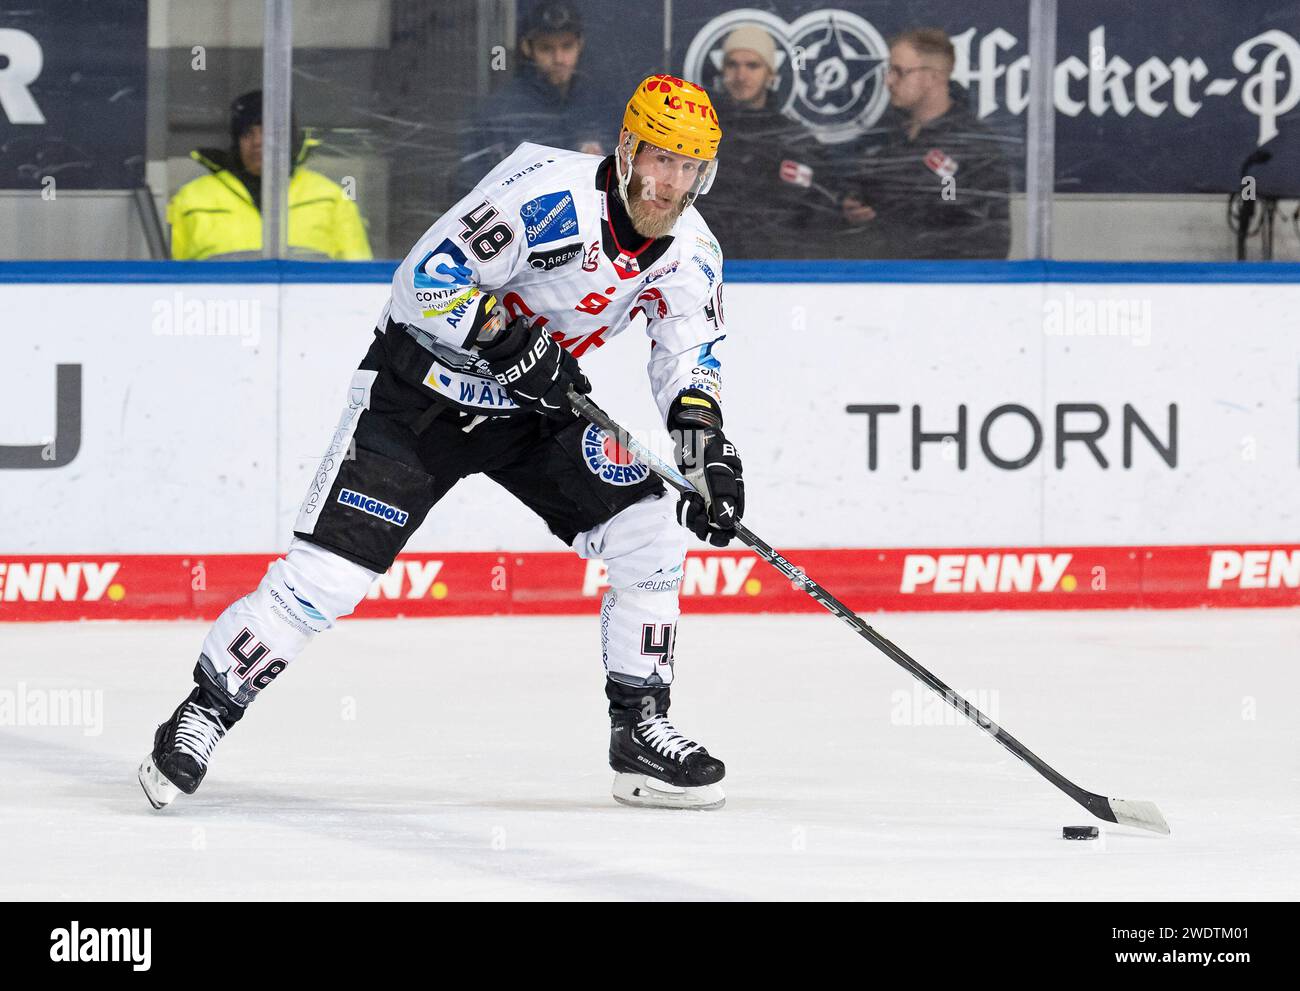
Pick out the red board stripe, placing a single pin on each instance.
(153, 586)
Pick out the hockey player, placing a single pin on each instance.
(552, 254)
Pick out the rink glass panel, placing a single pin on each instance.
(1161, 118)
(827, 129)
(407, 103)
(124, 91)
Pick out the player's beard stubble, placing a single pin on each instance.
(648, 219)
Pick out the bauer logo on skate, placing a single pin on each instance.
(947, 573)
(611, 461)
(381, 510)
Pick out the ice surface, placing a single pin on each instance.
(465, 758)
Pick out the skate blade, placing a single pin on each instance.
(157, 788)
(643, 792)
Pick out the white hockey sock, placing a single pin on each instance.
(643, 549)
(302, 594)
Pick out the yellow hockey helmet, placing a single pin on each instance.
(675, 115)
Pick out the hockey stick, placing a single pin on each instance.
(1143, 815)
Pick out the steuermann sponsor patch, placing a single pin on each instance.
(373, 507)
(551, 217)
(609, 460)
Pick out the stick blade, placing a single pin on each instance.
(1143, 815)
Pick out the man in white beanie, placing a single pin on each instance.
(762, 201)
(748, 66)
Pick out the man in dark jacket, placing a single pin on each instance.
(939, 185)
(549, 99)
(764, 202)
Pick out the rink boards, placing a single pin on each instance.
(468, 583)
(917, 436)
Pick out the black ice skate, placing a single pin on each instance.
(655, 765)
(182, 747)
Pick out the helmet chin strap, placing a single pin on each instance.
(625, 178)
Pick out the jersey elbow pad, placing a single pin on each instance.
(693, 409)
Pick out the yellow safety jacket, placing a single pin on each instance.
(214, 217)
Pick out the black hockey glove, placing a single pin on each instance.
(534, 369)
(710, 462)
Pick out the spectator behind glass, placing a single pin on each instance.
(763, 202)
(549, 100)
(219, 216)
(938, 186)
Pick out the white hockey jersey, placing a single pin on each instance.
(534, 234)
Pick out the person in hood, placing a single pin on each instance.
(549, 100)
(219, 215)
(939, 185)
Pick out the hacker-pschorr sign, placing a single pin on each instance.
(1146, 99)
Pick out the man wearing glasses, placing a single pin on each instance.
(939, 186)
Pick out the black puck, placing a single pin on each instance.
(1079, 832)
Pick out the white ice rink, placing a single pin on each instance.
(465, 758)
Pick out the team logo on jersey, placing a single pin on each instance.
(549, 218)
(626, 266)
(609, 460)
(830, 67)
(940, 163)
(656, 307)
(544, 261)
(796, 173)
(373, 507)
(592, 261)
